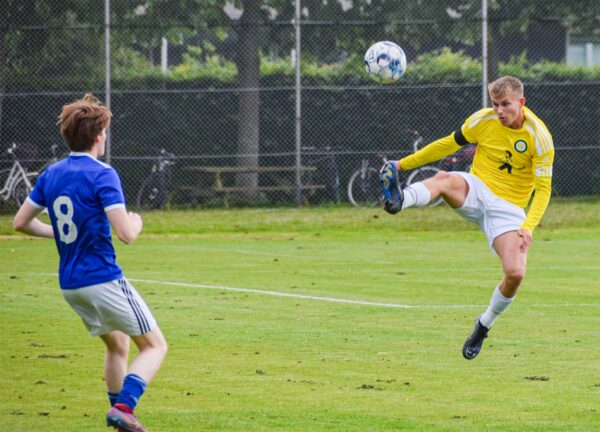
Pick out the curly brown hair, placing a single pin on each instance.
(82, 121)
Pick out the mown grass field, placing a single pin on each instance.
(250, 302)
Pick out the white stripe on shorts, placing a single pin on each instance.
(109, 306)
(135, 306)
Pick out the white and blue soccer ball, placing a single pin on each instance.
(385, 62)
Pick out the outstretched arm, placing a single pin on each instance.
(431, 152)
(26, 221)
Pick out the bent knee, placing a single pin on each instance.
(452, 180)
(121, 350)
(515, 275)
(442, 175)
(163, 346)
(159, 343)
(450, 183)
(117, 344)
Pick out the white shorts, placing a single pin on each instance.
(494, 216)
(108, 306)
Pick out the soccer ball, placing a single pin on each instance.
(385, 62)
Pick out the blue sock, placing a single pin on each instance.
(133, 389)
(112, 398)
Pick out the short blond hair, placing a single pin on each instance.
(506, 85)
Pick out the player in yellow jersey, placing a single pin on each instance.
(513, 159)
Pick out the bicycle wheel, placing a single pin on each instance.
(152, 194)
(364, 188)
(22, 190)
(421, 174)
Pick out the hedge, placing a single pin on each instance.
(196, 114)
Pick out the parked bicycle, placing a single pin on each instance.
(462, 160)
(18, 181)
(364, 186)
(155, 191)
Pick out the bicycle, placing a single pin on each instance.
(18, 182)
(364, 185)
(462, 160)
(155, 190)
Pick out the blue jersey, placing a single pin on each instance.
(78, 191)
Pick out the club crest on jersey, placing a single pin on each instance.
(521, 146)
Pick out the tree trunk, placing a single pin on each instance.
(248, 63)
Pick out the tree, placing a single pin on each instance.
(71, 33)
(248, 62)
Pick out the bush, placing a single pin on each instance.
(342, 108)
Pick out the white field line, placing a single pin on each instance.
(341, 300)
(381, 262)
(299, 296)
(338, 300)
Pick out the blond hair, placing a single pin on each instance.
(82, 121)
(506, 85)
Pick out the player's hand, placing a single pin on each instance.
(136, 221)
(526, 240)
(135, 217)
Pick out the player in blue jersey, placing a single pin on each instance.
(84, 198)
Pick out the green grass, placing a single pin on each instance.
(246, 361)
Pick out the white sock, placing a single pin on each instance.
(498, 304)
(416, 195)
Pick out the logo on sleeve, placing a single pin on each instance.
(521, 146)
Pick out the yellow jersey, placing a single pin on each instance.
(513, 163)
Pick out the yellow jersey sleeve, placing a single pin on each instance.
(543, 189)
(443, 147)
(430, 153)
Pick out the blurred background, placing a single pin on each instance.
(220, 103)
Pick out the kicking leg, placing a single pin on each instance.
(453, 189)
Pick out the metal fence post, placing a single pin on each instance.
(298, 107)
(107, 88)
(484, 53)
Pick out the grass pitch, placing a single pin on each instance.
(250, 303)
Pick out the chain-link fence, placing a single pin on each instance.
(205, 97)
